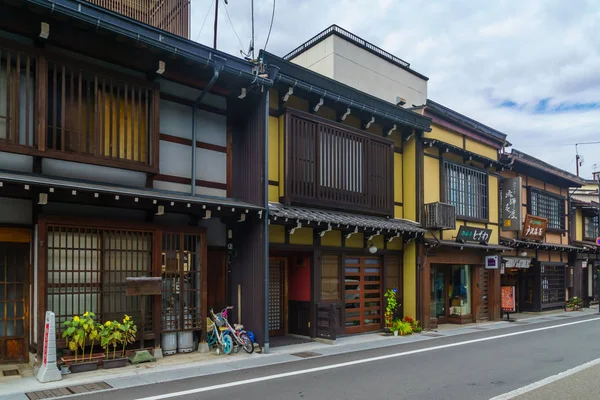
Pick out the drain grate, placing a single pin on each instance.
(306, 354)
(430, 334)
(67, 391)
(11, 372)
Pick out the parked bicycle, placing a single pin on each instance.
(227, 337)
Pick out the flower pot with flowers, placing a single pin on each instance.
(414, 324)
(115, 335)
(402, 328)
(391, 306)
(79, 331)
(573, 304)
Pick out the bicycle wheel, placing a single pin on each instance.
(211, 338)
(248, 345)
(227, 344)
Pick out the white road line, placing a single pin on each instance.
(546, 381)
(356, 362)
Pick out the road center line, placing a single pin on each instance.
(355, 362)
(546, 381)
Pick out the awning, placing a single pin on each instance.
(522, 244)
(450, 243)
(587, 247)
(516, 262)
(54, 185)
(337, 219)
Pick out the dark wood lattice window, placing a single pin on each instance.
(87, 268)
(590, 228)
(547, 205)
(553, 283)
(467, 190)
(182, 293)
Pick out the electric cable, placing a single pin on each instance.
(205, 17)
(270, 26)
(233, 28)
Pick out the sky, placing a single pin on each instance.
(528, 68)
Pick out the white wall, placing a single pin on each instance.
(319, 58)
(16, 162)
(94, 173)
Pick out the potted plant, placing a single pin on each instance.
(404, 328)
(117, 334)
(574, 304)
(78, 330)
(415, 325)
(395, 328)
(391, 306)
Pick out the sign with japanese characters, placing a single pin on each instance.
(492, 262)
(534, 228)
(511, 204)
(472, 234)
(508, 299)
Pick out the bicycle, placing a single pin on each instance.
(216, 334)
(238, 333)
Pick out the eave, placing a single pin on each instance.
(443, 146)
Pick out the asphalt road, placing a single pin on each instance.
(482, 365)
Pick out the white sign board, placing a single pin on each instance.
(49, 371)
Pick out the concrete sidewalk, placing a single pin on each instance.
(200, 364)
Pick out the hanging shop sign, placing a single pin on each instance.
(516, 262)
(511, 204)
(508, 299)
(492, 262)
(534, 228)
(472, 234)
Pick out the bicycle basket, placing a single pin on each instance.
(220, 321)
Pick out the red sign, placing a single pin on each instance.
(46, 333)
(508, 299)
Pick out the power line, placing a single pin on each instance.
(232, 27)
(270, 26)
(203, 22)
(558, 144)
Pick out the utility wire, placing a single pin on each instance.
(232, 27)
(558, 144)
(203, 22)
(270, 27)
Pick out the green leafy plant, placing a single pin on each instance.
(114, 334)
(74, 334)
(574, 302)
(391, 306)
(414, 324)
(403, 328)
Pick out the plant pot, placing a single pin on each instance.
(115, 363)
(387, 329)
(395, 333)
(83, 366)
(68, 360)
(569, 309)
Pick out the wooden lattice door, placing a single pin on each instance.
(276, 296)
(484, 295)
(13, 301)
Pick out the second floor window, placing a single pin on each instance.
(549, 206)
(467, 190)
(92, 114)
(590, 227)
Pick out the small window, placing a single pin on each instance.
(546, 205)
(467, 190)
(330, 278)
(591, 227)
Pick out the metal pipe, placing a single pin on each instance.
(349, 103)
(266, 219)
(194, 133)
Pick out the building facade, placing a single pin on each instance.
(116, 164)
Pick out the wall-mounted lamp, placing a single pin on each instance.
(161, 68)
(44, 30)
(523, 253)
(43, 200)
(372, 249)
(160, 210)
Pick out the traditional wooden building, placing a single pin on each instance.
(342, 204)
(541, 267)
(458, 185)
(125, 151)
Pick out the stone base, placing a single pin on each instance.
(158, 353)
(49, 373)
(141, 357)
(203, 347)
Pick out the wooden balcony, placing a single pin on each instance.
(169, 15)
(440, 216)
(331, 165)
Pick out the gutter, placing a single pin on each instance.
(153, 37)
(216, 73)
(348, 102)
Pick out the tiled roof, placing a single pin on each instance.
(342, 219)
(541, 246)
(450, 243)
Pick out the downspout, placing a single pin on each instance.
(216, 72)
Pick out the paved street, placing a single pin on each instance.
(481, 365)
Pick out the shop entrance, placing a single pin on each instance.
(13, 301)
(450, 296)
(483, 313)
(277, 267)
(363, 294)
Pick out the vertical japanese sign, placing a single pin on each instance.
(508, 299)
(511, 204)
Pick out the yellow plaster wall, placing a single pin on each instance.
(356, 241)
(281, 156)
(493, 198)
(397, 138)
(274, 98)
(434, 151)
(332, 238)
(375, 129)
(326, 113)
(302, 236)
(432, 180)
(273, 149)
(555, 257)
(409, 179)
(297, 103)
(397, 177)
(553, 238)
(553, 189)
(352, 121)
(410, 279)
(273, 193)
(443, 134)
(578, 225)
(495, 239)
(395, 244)
(481, 149)
(276, 234)
(398, 212)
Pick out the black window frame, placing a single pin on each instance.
(477, 212)
(586, 221)
(554, 224)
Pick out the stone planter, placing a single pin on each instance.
(69, 360)
(115, 363)
(83, 366)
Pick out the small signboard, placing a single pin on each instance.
(472, 234)
(598, 241)
(144, 286)
(511, 204)
(492, 262)
(534, 228)
(517, 262)
(508, 299)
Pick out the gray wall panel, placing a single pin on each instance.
(89, 172)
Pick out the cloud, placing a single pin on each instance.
(527, 68)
